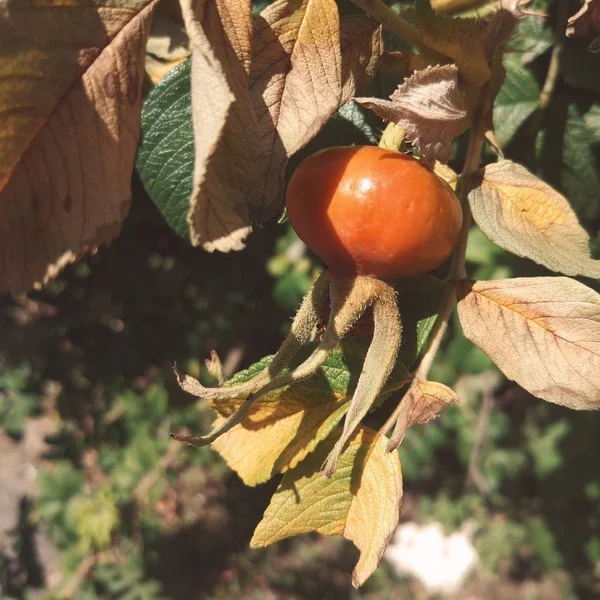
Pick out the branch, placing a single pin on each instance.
(457, 268)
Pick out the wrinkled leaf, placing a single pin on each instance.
(226, 134)
(165, 159)
(542, 332)
(70, 95)
(522, 214)
(296, 85)
(361, 49)
(422, 403)
(430, 107)
(361, 501)
(463, 40)
(517, 100)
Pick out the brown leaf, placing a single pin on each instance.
(430, 107)
(361, 48)
(463, 40)
(542, 332)
(70, 86)
(522, 214)
(586, 21)
(225, 127)
(296, 85)
(422, 403)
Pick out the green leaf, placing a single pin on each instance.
(419, 300)
(517, 99)
(165, 159)
(531, 38)
(575, 173)
(361, 501)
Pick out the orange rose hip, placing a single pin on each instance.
(369, 211)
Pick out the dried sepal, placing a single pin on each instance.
(350, 298)
(378, 365)
(302, 329)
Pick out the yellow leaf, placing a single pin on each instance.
(226, 135)
(70, 99)
(542, 332)
(525, 216)
(280, 431)
(296, 85)
(361, 501)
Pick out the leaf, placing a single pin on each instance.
(226, 132)
(522, 214)
(542, 332)
(517, 100)
(165, 159)
(70, 96)
(463, 40)
(586, 21)
(422, 403)
(296, 85)
(280, 431)
(532, 38)
(361, 50)
(430, 107)
(419, 301)
(286, 425)
(361, 501)
(574, 169)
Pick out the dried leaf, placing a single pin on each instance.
(522, 214)
(542, 332)
(422, 403)
(463, 40)
(70, 96)
(225, 127)
(296, 85)
(586, 21)
(361, 48)
(430, 107)
(361, 501)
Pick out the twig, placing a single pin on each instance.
(552, 75)
(474, 475)
(457, 268)
(396, 24)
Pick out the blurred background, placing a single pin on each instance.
(502, 494)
